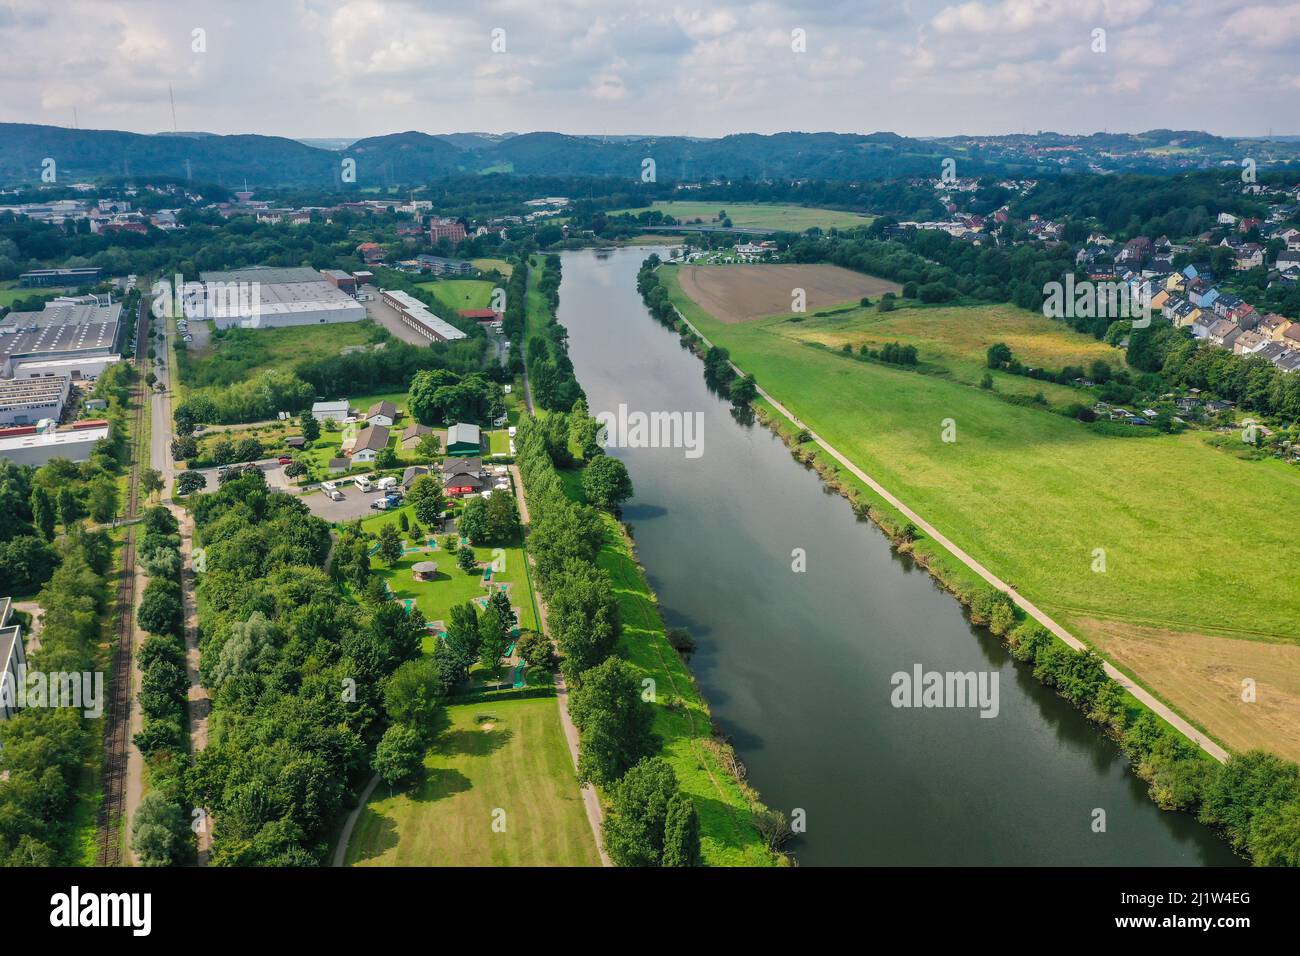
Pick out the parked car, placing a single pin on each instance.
(284, 460)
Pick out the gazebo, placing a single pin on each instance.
(424, 570)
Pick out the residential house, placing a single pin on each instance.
(1249, 342)
(337, 466)
(1273, 325)
(1287, 262)
(411, 473)
(382, 413)
(1159, 300)
(1224, 333)
(1201, 293)
(1203, 323)
(412, 435)
(1291, 336)
(1250, 255)
(369, 444)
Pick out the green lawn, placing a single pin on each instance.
(500, 265)
(759, 215)
(518, 772)
(457, 294)
(1191, 535)
(10, 291)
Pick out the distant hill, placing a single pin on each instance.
(413, 157)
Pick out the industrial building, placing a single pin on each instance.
(44, 278)
(13, 660)
(26, 401)
(262, 297)
(84, 333)
(416, 314)
(35, 445)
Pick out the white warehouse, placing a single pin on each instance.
(263, 297)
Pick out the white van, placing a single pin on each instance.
(511, 431)
(363, 482)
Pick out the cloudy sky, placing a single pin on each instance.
(355, 68)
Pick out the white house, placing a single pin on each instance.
(382, 413)
(369, 444)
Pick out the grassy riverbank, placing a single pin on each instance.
(1036, 496)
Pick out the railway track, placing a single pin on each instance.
(117, 728)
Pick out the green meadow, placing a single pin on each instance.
(502, 762)
(1193, 539)
(758, 215)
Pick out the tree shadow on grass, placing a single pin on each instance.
(379, 840)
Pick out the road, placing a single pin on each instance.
(1142, 694)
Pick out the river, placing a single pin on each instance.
(797, 665)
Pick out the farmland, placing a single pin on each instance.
(1036, 497)
(758, 215)
(742, 293)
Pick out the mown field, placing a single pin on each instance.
(757, 215)
(457, 294)
(500, 760)
(1194, 540)
(955, 341)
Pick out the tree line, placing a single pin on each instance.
(651, 821)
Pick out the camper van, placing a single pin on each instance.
(364, 483)
(386, 484)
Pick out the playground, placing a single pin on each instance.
(414, 582)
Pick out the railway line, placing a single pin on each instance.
(117, 726)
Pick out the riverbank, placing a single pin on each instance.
(1179, 775)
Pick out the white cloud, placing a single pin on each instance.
(361, 67)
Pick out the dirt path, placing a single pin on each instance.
(199, 702)
(1147, 699)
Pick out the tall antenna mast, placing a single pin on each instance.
(74, 118)
(172, 97)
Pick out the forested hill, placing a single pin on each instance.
(413, 157)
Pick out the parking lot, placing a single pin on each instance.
(355, 503)
(274, 471)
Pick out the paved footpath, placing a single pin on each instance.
(1141, 693)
